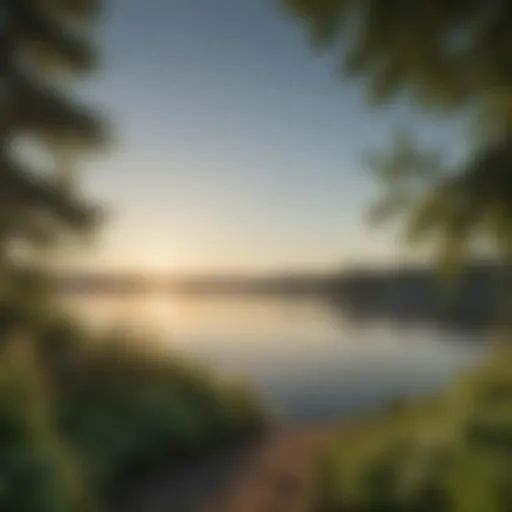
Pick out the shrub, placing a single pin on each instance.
(38, 470)
(127, 405)
(449, 454)
(121, 403)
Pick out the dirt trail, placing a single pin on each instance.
(279, 477)
(274, 475)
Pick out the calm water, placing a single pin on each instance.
(306, 361)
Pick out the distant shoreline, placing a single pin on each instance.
(404, 294)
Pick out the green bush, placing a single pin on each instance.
(453, 453)
(126, 406)
(120, 403)
(38, 470)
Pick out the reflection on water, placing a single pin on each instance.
(306, 361)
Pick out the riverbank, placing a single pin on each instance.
(452, 440)
(94, 408)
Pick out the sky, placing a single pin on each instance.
(236, 146)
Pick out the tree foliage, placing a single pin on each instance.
(42, 44)
(448, 57)
(444, 53)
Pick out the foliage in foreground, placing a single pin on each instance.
(76, 408)
(451, 453)
(442, 57)
(38, 470)
(128, 408)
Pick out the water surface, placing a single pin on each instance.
(306, 360)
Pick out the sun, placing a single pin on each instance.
(156, 261)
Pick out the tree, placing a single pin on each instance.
(43, 43)
(447, 54)
(449, 57)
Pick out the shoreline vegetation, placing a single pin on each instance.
(89, 418)
(411, 293)
(448, 452)
(81, 413)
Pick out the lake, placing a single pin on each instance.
(306, 360)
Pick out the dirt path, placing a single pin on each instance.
(279, 477)
(276, 475)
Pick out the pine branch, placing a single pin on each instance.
(30, 191)
(43, 111)
(49, 39)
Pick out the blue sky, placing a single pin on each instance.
(236, 145)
